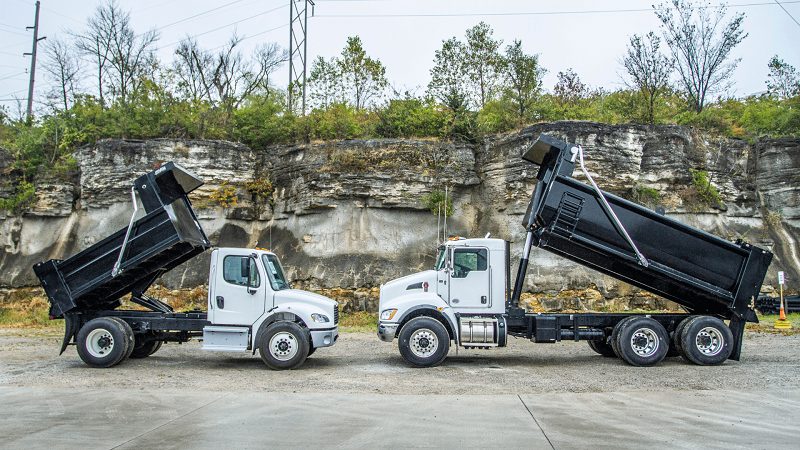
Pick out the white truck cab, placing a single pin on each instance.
(251, 306)
(464, 293)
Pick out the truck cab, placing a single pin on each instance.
(252, 306)
(464, 294)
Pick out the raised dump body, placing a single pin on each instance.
(130, 260)
(701, 272)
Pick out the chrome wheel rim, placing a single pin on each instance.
(709, 341)
(99, 343)
(283, 346)
(644, 342)
(424, 343)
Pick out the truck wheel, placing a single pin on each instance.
(130, 340)
(284, 345)
(615, 335)
(676, 347)
(706, 341)
(102, 342)
(642, 342)
(145, 347)
(424, 342)
(602, 347)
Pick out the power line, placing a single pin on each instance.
(232, 23)
(198, 15)
(12, 76)
(543, 13)
(787, 12)
(12, 54)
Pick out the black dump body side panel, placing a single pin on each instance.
(703, 273)
(165, 237)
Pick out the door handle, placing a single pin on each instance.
(220, 302)
(483, 299)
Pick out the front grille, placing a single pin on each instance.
(336, 314)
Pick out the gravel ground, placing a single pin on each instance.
(361, 363)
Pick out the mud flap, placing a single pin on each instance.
(72, 323)
(737, 329)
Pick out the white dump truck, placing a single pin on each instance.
(467, 298)
(250, 303)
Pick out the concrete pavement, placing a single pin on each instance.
(39, 418)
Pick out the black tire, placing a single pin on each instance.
(284, 345)
(676, 347)
(129, 337)
(145, 346)
(102, 342)
(642, 342)
(424, 342)
(311, 350)
(615, 335)
(602, 347)
(706, 341)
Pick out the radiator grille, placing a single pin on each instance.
(336, 314)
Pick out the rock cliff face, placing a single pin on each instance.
(355, 214)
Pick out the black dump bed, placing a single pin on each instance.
(703, 273)
(168, 235)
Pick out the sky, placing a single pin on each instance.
(589, 37)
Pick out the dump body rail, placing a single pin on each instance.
(168, 235)
(703, 273)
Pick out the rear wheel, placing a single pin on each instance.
(102, 342)
(284, 345)
(676, 347)
(145, 346)
(642, 342)
(129, 337)
(706, 341)
(602, 347)
(424, 342)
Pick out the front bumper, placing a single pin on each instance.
(387, 331)
(324, 338)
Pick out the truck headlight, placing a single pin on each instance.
(322, 318)
(388, 314)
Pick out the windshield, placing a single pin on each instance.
(440, 259)
(275, 273)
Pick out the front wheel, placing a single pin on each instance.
(102, 342)
(424, 342)
(284, 345)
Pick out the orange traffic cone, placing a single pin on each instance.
(782, 322)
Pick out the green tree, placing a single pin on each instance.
(784, 81)
(649, 71)
(363, 78)
(701, 46)
(523, 79)
(448, 75)
(484, 64)
(324, 83)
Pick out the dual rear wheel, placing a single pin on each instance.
(643, 341)
(107, 341)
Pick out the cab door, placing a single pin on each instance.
(469, 278)
(239, 293)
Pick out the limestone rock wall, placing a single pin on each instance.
(353, 214)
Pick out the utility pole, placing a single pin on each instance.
(36, 40)
(298, 12)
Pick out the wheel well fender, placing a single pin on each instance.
(277, 317)
(429, 311)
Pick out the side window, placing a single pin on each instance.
(466, 260)
(232, 268)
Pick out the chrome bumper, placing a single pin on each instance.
(387, 331)
(324, 338)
